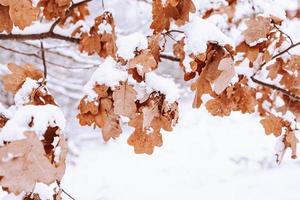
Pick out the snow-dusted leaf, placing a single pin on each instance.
(23, 163)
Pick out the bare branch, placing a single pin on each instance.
(274, 87)
(168, 57)
(64, 191)
(49, 34)
(40, 58)
(44, 60)
(38, 36)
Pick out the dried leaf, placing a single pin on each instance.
(14, 81)
(145, 62)
(28, 165)
(124, 100)
(258, 28)
(5, 22)
(22, 13)
(227, 68)
(272, 124)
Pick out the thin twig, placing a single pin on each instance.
(44, 60)
(290, 39)
(40, 58)
(274, 87)
(64, 191)
(168, 57)
(286, 92)
(102, 4)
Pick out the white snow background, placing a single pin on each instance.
(205, 157)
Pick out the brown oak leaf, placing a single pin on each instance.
(23, 163)
(14, 81)
(272, 124)
(5, 22)
(257, 28)
(124, 100)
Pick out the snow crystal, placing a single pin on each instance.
(22, 96)
(128, 44)
(40, 117)
(109, 73)
(164, 85)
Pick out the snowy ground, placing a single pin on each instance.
(204, 158)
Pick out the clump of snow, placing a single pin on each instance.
(11, 196)
(44, 191)
(5, 112)
(109, 73)
(104, 27)
(22, 96)
(128, 44)
(203, 5)
(164, 85)
(57, 154)
(32, 118)
(198, 33)
(266, 8)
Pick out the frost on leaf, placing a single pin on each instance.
(13, 82)
(27, 166)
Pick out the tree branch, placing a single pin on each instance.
(49, 34)
(168, 57)
(49, 62)
(44, 60)
(274, 87)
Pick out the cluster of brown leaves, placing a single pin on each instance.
(289, 71)
(98, 41)
(215, 68)
(25, 162)
(152, 114)
(53, 9)
(20, 13)
(239, 97)
(145, 61)
(78, 13)
(177, 10)
(276, 126)
(14, 81)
